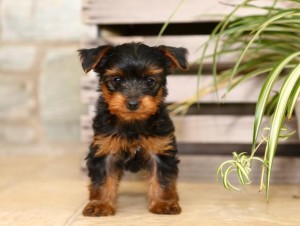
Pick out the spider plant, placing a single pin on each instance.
(271, 44)
(267, 44)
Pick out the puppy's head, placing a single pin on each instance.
(133, 76)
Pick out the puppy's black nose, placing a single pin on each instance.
(133, 105)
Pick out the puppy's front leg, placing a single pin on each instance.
(105, 176)
(163, 197)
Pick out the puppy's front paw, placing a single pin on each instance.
(97, 209)
(164, 207)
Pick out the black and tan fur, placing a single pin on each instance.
(132, 128)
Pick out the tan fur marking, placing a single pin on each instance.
(101, 55)
(103, 198)
(117, 105)
(113, 145)
(153, 71)
(162, 200)
(158, 145)
(155, 190)
(114, 72)
(173, 59)
(107, 192)
(107, 96)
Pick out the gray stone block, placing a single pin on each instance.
(16, 102)
(60, 94)
(17, 58)
(42, 20)
(18, 133)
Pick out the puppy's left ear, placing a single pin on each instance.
(177, 56)
(91, 58)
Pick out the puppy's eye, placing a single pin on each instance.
(117, 81)
(150, 81)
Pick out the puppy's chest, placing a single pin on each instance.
(117, 144)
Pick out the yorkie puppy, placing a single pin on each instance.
(132, 128)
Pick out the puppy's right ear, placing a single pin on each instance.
(91, 58)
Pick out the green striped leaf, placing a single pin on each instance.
(265, 93)
(278, 120)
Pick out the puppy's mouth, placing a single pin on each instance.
(137, 114)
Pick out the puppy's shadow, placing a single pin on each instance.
(133, 185)
(134, 193)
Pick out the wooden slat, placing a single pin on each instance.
(158, 11)
(283, 149)
(182, 87)
(207, 129)
(203, 168)
(219, 129)
(192, 43)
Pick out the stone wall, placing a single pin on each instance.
(40, 71)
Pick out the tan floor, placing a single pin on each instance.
(42, 191)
